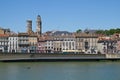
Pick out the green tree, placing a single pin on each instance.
(79, 31)
(108, 32)
(100, 32)
(118, 30)
(112, 31)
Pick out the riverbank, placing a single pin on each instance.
(50, 57)
(61, 60)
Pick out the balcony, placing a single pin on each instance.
(3, 40)
(23, 38)
(23, 43)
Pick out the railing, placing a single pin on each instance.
(23, 43)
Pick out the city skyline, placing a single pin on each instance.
(67, 15)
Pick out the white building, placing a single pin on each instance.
(69, 43)
(64, 43)
(13, 43)
(49, 46)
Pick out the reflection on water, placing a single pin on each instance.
(60, 71)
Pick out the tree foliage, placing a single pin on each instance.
(79, 31)
(108, 32)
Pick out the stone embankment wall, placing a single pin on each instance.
(17, 56)
(56, 56)
(112, 55)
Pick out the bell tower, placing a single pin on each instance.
(39, 26)
(29, 27)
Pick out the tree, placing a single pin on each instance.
(79, 31)
(118, 30)
(99, 32)
(108, 32)
(112, 31)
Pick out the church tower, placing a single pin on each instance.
(39, 25)
(29, 27)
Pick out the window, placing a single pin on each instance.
(86, 45)
(72, 43)
(63, 43)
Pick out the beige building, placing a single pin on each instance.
(57, 45)
(86, 42)
(32, 43)
(4, 42)
(4, 31)
(23, 42)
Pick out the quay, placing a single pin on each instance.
(49, 57)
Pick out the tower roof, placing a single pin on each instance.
(38, 18)
(29, 20)
(38, 15)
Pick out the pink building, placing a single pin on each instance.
(41, 46)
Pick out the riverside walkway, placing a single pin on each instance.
(56, 57)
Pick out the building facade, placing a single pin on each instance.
(4, 42)
(23, 42)
(49, 46)
(32, 43)
(41, 46)
(57, 46)
(69, 43)
(13, 43)
(87, 42)
(4, 31)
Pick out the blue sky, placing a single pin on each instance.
(67, 15)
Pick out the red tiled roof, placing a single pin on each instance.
(4, 35)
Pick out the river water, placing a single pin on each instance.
(60, 71)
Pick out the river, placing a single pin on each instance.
(60, 71)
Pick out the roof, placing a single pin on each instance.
(22, 34)
(85, 35)
(58, 33)
(4, 35)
